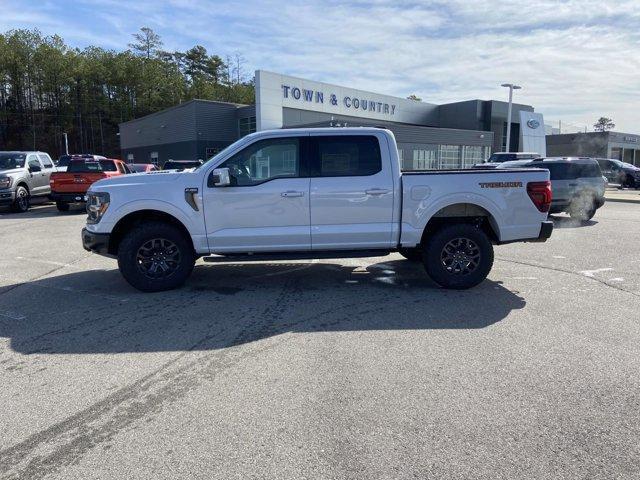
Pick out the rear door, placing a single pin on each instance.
(38, 178)
(351, 192)
(48, 169)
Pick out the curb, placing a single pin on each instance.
(622, 200)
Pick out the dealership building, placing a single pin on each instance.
(621, 146)
(452, 135)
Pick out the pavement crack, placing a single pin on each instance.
(571, 272)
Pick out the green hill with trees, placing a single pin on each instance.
(47, 88)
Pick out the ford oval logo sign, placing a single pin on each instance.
(533, 123)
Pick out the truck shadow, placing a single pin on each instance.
(232, 304)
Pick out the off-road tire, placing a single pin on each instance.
(134, 243)
(435, 257)
(21, 202)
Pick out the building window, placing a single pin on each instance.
(425, 157)
(449, 156)
(472, 155)
(246, 126)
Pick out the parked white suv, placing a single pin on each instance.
(314, 193)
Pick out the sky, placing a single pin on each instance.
(577, 60)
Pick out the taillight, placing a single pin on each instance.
(540, 194)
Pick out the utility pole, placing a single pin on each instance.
(511, 88)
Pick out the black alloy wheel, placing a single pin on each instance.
(460, 256)
(158, 258)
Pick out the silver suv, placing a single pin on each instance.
(577, 184)
(24, 175)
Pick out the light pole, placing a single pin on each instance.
(511, 88)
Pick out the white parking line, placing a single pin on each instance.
(85, 292)
(12, 315)
(46, 262)
(591, 273)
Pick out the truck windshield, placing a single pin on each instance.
(92, 166)
(9, 161)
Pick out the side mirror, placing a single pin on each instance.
(34, 168)
(219, 178)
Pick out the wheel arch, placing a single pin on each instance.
(132, 219)
(463, 212)
(23, 183)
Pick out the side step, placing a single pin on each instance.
(261, 257)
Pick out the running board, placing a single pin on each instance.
(261, 257)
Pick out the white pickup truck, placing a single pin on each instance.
(313, 193)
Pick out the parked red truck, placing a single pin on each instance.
(71, 186)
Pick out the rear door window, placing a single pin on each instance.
(586, 170)
(46, 161)
(80, 166)
(346, 156)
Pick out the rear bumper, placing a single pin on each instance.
(546, 229)
(95, 242)
(69, 197)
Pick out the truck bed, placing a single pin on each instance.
(501, 194)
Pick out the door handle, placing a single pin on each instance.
(376, 191)
(292, 193)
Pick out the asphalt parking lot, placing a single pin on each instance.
(322, 369)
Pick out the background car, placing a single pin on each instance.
(577, 184)
(23, 176)
(142, 167)
(71, 186)
(500, 157)
(63, 162)
(181, 164)
(622, 173)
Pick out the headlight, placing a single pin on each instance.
(5, 182)
(97, 204)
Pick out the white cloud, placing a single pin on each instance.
(576, 59)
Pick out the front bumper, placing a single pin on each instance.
(7, 197)
(95, 242)
(69, 197)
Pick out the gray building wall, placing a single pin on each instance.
(621, 146)
(183, 132)
(486, 115)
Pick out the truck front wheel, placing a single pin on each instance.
(458, 256)
(155, 256)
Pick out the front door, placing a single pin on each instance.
(351, 193)
(266, 207)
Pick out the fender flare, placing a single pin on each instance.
(455, 199)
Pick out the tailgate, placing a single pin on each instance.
(79, 182)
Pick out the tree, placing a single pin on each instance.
(414, 97)
(604, 124)
(148, 42)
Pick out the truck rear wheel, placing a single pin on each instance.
(155, 256)
(458, 256)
